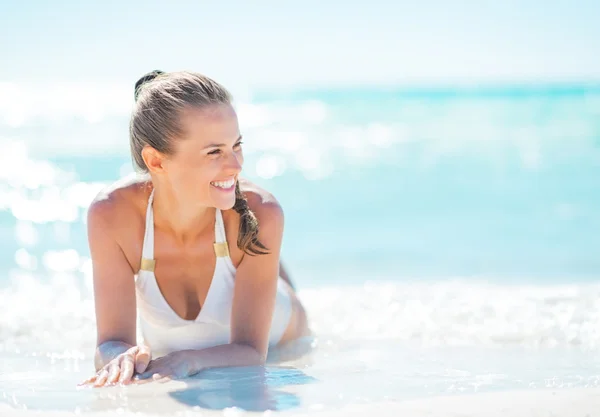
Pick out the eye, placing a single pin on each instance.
(238, 145)
(215, 152)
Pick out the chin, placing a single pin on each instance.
(225, 204)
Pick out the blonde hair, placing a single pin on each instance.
(160, 98)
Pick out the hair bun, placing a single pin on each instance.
(146, 78)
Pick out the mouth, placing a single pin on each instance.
(227, 185)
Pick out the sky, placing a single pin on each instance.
(268, 43)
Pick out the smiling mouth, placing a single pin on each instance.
(224, 185)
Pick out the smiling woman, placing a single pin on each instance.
(189, 247)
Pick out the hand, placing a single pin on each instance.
(121, 368)
(175, 365)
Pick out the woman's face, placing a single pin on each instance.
(204, 167)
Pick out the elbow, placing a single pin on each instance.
(261, 357)
(258, 356)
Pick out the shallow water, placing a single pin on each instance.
(445, 242)
(328, 379)
(382, 343)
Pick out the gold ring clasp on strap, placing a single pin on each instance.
(148, 264)
(221, 249)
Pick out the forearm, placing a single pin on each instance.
(109, 350)
(223, 356)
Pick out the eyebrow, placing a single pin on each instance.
(220, 145)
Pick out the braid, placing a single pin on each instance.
(248, 232)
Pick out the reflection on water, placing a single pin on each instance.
(258, 388)
(338, 373)
(253, 389)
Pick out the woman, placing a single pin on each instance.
(194, 248)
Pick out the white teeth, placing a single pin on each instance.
(224, 184)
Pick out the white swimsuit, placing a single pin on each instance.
(165, 331)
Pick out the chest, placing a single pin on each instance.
(184, 272)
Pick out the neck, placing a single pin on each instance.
(182, 220)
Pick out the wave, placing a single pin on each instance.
(58, 315)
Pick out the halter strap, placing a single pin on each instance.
(148, 262)
(220, 245)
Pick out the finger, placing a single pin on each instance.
(88, 381)
(163, 379)
(153, 369)
(139, 381)
(148, 374)
(126, 369)
(142, 359)
(113, 373)
(101, 378)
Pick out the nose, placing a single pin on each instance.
(234, 163)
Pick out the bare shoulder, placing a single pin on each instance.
(119, 202)
(263, 203)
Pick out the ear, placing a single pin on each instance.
(153, 159)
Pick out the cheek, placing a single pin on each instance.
(189, 177)
(199, 177)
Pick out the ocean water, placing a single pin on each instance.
(445, 242)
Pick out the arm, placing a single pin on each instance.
(252, 311)
(114, 291)
(256, 284)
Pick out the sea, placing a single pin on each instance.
(444, 240)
